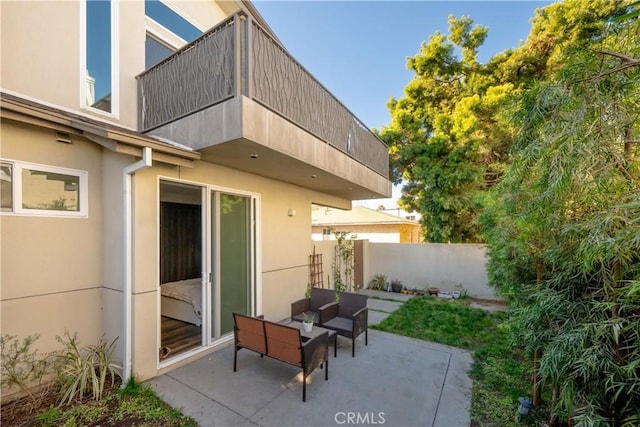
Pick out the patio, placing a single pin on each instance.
(395, 381)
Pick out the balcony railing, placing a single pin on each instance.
(238, 57)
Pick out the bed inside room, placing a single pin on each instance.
(182, 300)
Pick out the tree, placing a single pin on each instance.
(448, 137)
(564, 234)
(433, 132)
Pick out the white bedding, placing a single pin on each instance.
(189, 291)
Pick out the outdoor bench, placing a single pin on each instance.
(282, 343)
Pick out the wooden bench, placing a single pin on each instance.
(282, 343)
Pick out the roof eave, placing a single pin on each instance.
(108, 135)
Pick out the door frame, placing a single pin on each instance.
(208, 274)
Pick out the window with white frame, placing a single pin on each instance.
(100, 54)
(32, 189)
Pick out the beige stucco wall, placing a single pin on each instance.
(40, 45)
(51, 267)
(202, 14)
(41, 50)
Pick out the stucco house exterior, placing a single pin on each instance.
(365, 223)
(148, 143)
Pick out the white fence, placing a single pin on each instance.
(419, 265)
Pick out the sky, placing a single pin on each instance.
(358, 49)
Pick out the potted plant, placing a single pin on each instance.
(459, 292)
(379, 282)
(307, 321)
(396, 285)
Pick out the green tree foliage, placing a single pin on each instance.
(448, 137)
(564, 227)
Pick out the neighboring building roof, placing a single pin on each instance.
(358, 215)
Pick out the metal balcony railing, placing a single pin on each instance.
(238, 57)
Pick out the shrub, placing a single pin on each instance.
(84, 370)
(24, 367)
(379, 282)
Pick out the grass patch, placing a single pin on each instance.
(450, 322)
(500, 372)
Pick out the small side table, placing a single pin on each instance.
(317, 330)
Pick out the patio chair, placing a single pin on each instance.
(285, 344)
(348, 317)
(311, 305)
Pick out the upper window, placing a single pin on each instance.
(173, 22)
(154, 52)
(166, 32)
(99, 54)
(43, 190)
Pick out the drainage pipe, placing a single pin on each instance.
(128, 173)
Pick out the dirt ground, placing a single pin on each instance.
(22, 412)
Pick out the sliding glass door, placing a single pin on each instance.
(208, 254)
(233, 259)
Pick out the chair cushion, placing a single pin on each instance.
(341, 325)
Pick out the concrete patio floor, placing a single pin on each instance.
(394, 381)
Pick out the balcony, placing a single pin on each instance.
(238, 97)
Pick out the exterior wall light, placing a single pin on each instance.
(525, 405)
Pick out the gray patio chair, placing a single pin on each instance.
(319, 298)
(348, 317)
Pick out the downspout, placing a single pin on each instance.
(129, 171)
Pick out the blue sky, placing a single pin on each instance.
(358, 49)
